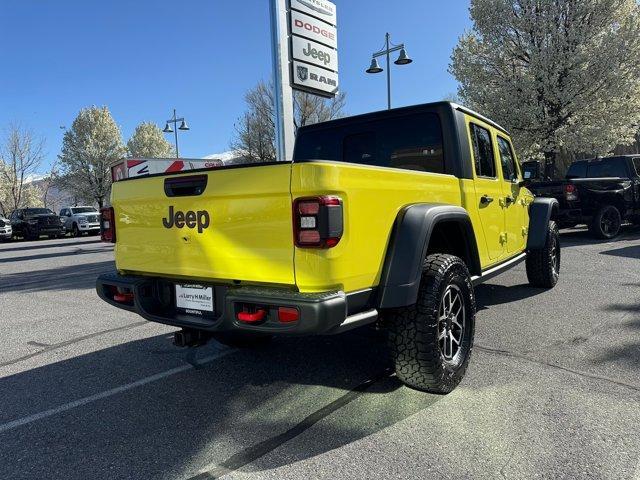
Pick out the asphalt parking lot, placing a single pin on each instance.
(88, 391)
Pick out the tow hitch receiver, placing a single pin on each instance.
(190, 338)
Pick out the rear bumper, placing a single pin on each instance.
(154, 300)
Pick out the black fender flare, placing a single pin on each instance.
(540, 213)
(407, 249)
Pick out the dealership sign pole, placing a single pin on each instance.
(305, 57)
(283, 94)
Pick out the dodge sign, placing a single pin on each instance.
(305, 26)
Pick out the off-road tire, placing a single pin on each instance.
(242, 339)
(414, 330)
(76, 231)
(606, 223)
(543, 265)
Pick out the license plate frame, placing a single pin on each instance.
(194, 298)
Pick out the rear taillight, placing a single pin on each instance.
(317, 221)
(570, 192)
(108, 225)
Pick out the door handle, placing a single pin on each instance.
(486, 199)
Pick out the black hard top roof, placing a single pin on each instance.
(403, 110)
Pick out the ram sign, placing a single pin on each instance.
(314, 79)
(314, 43)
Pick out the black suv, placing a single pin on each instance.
(30, 223)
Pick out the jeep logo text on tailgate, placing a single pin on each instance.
(191, 219)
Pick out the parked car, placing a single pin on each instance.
(79, 220)
(6, 232)
(388, 217)
(601, 193)
(31, 223)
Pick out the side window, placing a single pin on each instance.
(507, 159)
(636, 164)
(483, 152)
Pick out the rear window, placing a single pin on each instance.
(577, 170)
(614, 167)
(84, 210)
(38, 211)
(411, 142)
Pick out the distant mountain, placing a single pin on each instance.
(231, 157)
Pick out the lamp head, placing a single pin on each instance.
(374, 67)
(403, 58)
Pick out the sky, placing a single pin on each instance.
(143, 58)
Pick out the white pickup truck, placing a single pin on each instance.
(79, 220)
(5, 229)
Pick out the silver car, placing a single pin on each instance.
(79, 220)
(5, 229)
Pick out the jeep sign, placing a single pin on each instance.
(322, 9)
(313, 79)
(305, 26)
(314, 53)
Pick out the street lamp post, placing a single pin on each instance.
(183, 126)
(403, 59)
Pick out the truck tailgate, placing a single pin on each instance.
(238, 227)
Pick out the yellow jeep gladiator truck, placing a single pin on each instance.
(389, 217)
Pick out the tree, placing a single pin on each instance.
(562, 75)
(148, 141)
(20, 157)
(88, 149)
(255, 130)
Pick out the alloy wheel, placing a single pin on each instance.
(451, 323)
(609, 222)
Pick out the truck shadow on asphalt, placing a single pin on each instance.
(629, 353)
(489, 295)
(17, 246)
(40, 256)
(71, 277)
(219, 417)
(632, 251)
(578, 237)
